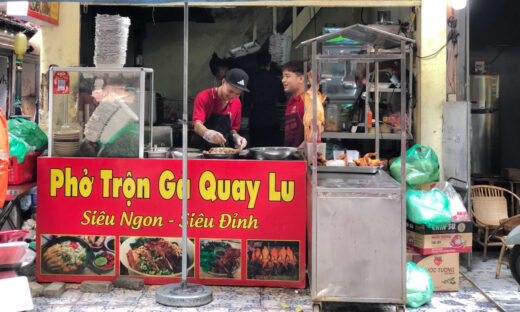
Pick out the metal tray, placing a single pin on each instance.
(366, 170)
(274, 152)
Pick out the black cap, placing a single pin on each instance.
(237, 78)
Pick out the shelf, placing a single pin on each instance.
(362, 136)
(389, 90)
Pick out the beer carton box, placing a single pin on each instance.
(455, 237)
(443, 268)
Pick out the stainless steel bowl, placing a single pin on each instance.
(156, 153)
(191, 155)
(274, 152)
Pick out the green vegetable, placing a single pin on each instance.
(100, 261)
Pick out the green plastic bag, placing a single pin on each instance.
(422, 166)
(29, 132)
(429, 208)
(17, 148)
(123, 144)
(419, 286)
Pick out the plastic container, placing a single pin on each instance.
(11, 253)
(333, 117)
(20, 173)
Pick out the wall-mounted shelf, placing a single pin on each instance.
(363, 136)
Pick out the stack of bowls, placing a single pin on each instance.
(66, 143)
(110, 41)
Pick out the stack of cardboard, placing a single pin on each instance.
(437, 249)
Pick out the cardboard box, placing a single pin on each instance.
(425, 186)
(443, 268)
(455, 237)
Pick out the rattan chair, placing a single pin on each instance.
(489, 212)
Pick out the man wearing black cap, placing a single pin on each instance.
(217, 113)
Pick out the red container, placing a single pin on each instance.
(24, 172)
(13, 236)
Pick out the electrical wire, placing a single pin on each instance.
(497, 56)
(434, 53)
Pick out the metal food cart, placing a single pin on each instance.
(356, 223)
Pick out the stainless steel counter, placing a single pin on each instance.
(356, 239)
(343, 182)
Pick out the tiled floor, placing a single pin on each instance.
(504, 290)
(261, 299)
(254, 299)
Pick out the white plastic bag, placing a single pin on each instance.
(457, 208)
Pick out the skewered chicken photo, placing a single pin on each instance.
(273, 260)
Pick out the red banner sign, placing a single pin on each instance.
(101, 218)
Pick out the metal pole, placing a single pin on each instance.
(314, 116)
(469, 255)
(141, 112)
(376, 106)
(50, 134)
(367, 94)
(403, 168)
(185, 150)
(314, 171)
(183, 294)
(152, 111)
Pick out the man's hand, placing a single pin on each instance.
(214, 137)
(239, 140)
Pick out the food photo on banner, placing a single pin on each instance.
(154, 256)
(87, 255)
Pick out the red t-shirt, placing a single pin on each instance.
(295, 105)
(207, 102)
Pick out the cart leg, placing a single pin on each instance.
(400, 308)
(316, 307)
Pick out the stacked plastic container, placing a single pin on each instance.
(111, 40)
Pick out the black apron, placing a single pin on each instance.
(217, 122)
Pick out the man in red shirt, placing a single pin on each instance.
(292, 80)
(217, 113)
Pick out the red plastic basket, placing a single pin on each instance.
(24, 172)
(13, 236)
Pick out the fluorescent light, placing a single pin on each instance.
(458, 4)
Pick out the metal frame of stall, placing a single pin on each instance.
(378, 39)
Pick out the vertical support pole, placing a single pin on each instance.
(314, 72)
(275, 19)
(142, 87)
(376, 105)
(293, 26)
(367, 94)
(152, 110)
(185, 150)
(403, 168)
(50, 135)
(314, 171)
(410, 90)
